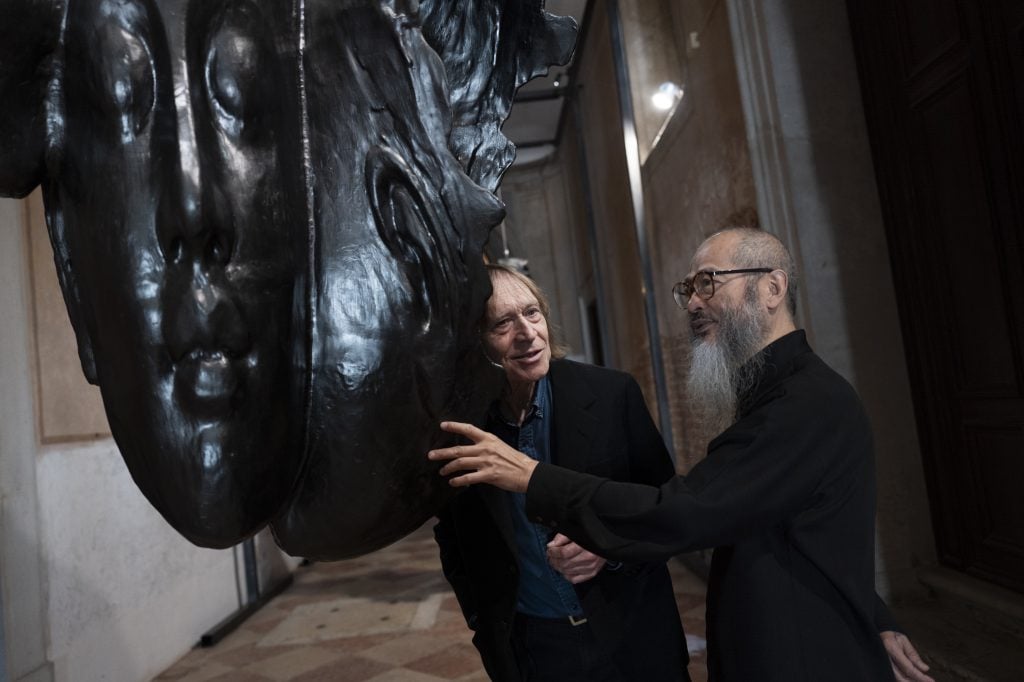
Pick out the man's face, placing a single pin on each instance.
(727, 331)
(516, 333)
(730, 290)
(178, 217)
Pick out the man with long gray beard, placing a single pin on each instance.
(786, 494)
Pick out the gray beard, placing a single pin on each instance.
(726, 368)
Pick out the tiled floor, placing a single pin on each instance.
(386, 617)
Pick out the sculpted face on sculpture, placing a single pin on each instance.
(268, 221)
(174, 196)
(400, 239)
(398, 225)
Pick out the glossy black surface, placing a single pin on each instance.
(268, 220)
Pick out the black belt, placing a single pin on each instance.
(573, 621)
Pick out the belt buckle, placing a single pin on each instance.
(574, 621)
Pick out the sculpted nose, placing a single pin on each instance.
(200, 314)
(193, 221)
(191, 229)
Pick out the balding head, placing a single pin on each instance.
(754, 248)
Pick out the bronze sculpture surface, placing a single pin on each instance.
(267, 221)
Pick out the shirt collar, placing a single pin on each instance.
(540, 405)
(778, 356)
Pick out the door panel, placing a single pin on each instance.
(943, 86)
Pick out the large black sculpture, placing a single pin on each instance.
(268, 220)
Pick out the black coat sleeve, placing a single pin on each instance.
(758, 473)
(883, 617)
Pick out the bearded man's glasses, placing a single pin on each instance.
(703, 284)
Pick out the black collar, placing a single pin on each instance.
(778, 364)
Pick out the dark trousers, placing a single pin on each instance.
(556, 651)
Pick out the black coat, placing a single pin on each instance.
(786, 496)
(600, 426)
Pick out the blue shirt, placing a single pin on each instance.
(543, 592)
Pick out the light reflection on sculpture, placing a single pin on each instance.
(267, 219)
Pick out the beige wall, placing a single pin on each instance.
(69, 408)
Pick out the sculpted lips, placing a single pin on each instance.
(211, 348)
(206, 382)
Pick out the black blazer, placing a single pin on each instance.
(786, 496)
(600, 426)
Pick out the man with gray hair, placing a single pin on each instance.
(786, 494)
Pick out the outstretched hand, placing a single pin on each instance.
(488, 460)
(906, 663)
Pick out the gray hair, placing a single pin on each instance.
(759, 249)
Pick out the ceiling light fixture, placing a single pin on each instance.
(665, 97)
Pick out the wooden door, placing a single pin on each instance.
(943, 86)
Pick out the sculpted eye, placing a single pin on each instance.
(125, 78)
(232, 66)
(236, 70)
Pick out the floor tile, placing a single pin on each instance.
(346, 669)
(451, 663)
(386, 617)
(293, 662)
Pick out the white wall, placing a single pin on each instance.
(127, 594)
(94, 585)
(21, 579)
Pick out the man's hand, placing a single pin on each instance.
(906, 662)
(487, 460)
(572, 561)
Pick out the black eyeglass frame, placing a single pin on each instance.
(682, 291)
